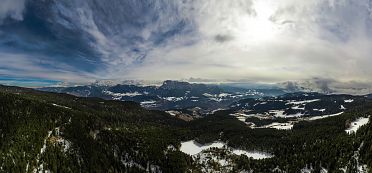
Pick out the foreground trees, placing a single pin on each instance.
(62, 133)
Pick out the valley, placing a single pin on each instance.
(294, 132)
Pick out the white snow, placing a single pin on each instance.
(342, 107)
(323, 116)
(298, 108)
(42, 150)
(306, 170)
(173, 99)
(224, 95)
(279, 126)
(297, 115)
(239, 114)
(323, 170)
(320, 110)
(278, 113)
(208, 95)
(193, 148)
(216, 99)
(172, 113)
(40, 168)
(241, 119)
(148, 102)
(355, 125)
(60, 106)
(66, 145)
(363, 169)
(348, 101)
(254, 154)
(303, 102)
(206, 161)
(118, 96)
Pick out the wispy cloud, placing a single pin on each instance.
(12, 9)
(256, 40)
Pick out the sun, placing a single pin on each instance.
(257, 28)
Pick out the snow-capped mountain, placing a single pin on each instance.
(169, 95)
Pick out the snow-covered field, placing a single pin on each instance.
(60, 106)
(193, 148)
(118, 96)
(348, 101)
(148, 104)
(355, 125)
(323, 116)
(279, 126)
(173, 99)
(253, 154)
(303, 102)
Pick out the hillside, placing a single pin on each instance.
(170, 95)
(62, 133)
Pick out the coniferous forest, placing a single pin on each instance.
(41, 131)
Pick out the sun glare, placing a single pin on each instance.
(258, 28)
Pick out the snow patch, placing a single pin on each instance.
(323, 116)
(279, 126)
(119, 96)
(348, 101)
(355, 125)
(193, 148)
(253, 154)
(148, 104)
(173, 99)
(66, 145)
(320, 110)
(303, 102)
(40, 168)
(277, 113)
(60, 106)
(172, 113)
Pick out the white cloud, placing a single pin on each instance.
(268, 41)
(27, 66)
(12, 8)
(256, 40)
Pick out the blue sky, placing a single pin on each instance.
(80, 41)
(27, 82)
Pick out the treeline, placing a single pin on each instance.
(95, 135)
(103, 136)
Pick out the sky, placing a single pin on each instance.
(45, 42)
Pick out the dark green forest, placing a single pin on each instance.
(63, 133)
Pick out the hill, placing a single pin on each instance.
(43, 131)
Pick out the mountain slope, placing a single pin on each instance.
(63, 133)
(44, 131)
(171, 95)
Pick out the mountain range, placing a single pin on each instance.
(295, 132)
(170, 95)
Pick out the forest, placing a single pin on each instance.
(42, 131)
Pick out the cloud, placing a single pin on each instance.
(12, 9)
(328, 86)
(273, 41)
(19, 65)
(256, 40)
(223, 38)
